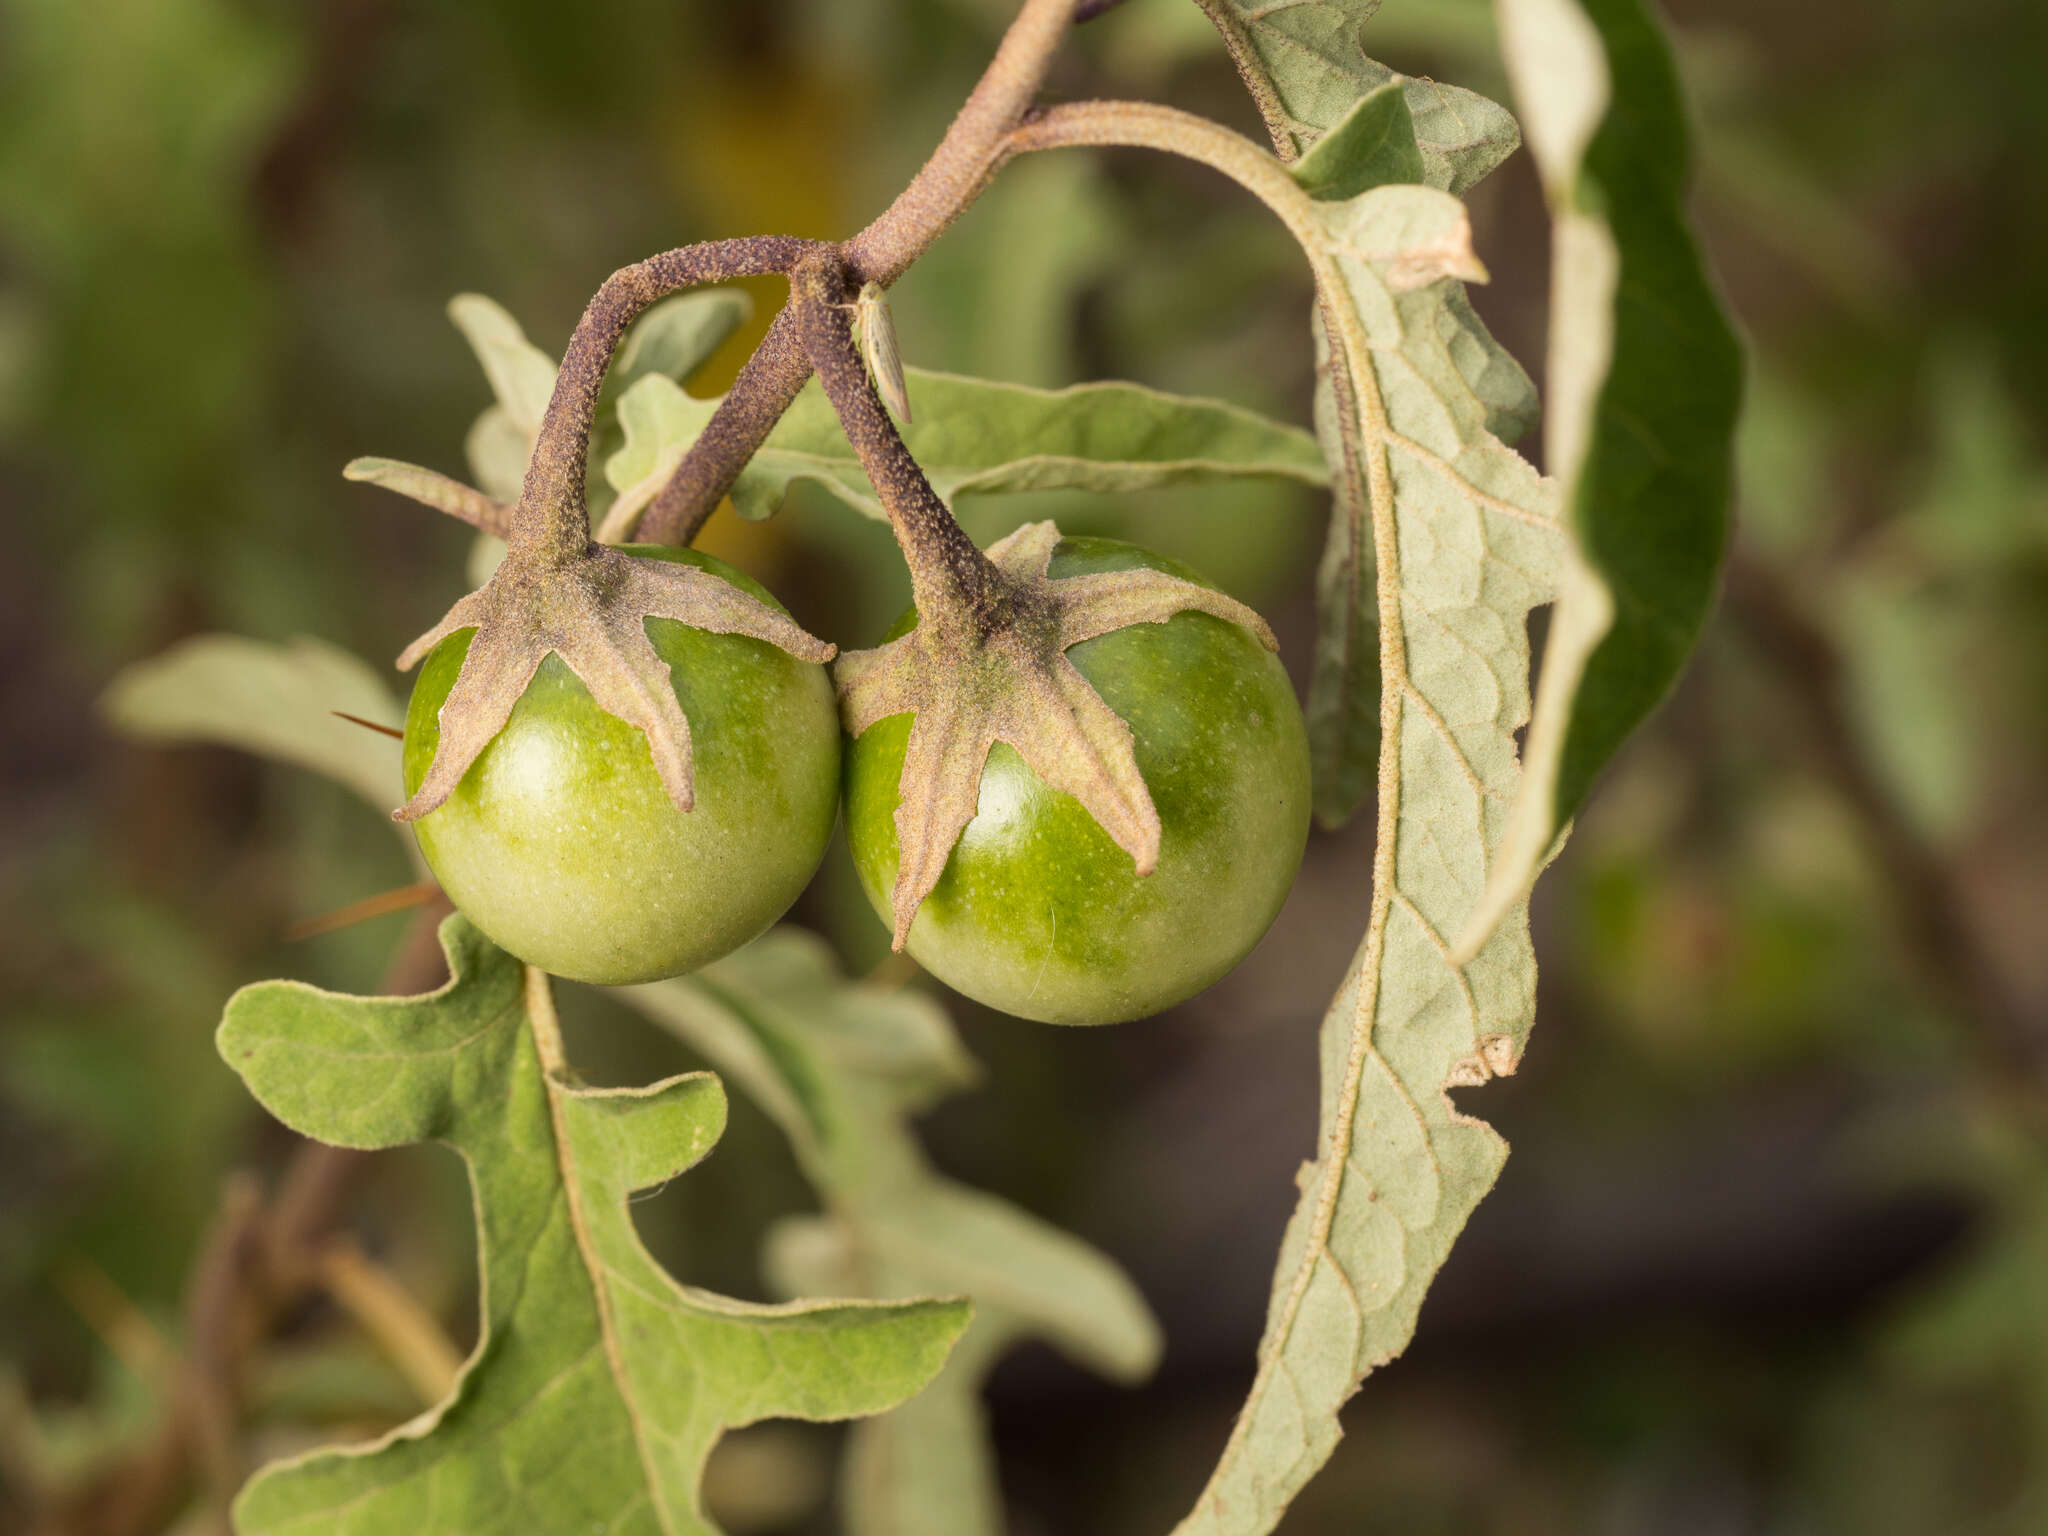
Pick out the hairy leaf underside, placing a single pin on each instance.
(1442, 540)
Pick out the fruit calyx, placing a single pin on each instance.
(999, 672)
(592, 612)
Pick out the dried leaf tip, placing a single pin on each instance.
(592, 613)
(1015, 685)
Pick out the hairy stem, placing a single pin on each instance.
(552, 520)
(1142, 125)
(765, 388)
(973, 148)
(948, 574)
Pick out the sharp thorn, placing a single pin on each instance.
(368, 725)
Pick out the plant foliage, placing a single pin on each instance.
(599, 1384)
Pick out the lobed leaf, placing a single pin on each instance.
(658, 420)
(599, 1384)
(1307, 69)
(1646, 383)
(1372, 145)
(840, 1068)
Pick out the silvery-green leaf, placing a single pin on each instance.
(1343, 698)
(598, 1385)
(521, 375)
(658, 421)
(1646, 382)
(840, 1067)
(1307, 69)
(977, 437)
(1465, 543)
(1371, 146)
(497, 451)
(278, 701)
(677, 336)
(1501, 383)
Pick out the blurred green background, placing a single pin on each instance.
(1771, 1254)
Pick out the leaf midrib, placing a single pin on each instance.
(547, 1038)
(1395, 685)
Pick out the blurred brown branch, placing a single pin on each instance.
(403, 1329)
(258, 1258)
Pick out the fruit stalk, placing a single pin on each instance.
(973, 149)
(949, 577)
(551, 524)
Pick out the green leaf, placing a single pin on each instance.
(1343, 709)
(976, 437)
(1501, 383)
(522, 377)
(277, 701)
(1466, 542)
(1344, 689)
(599, 1385)
(497, 451)
(672, 340)
(1646, 383)
(1373, 145)
(676, 337)
(1307, 70)
(658, 420)
(841, 1068)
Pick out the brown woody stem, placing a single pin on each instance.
(948, 574)
(552, 521)
(974, 147)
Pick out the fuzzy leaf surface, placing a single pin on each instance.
(599, 1384)
(1306, 68)
(1373, 145)
(978, 437)
(1377, 144)
(1646, 383)
(841, 1068)
(277, 701)
(1466, 542)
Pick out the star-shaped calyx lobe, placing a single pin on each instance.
(591, 611)
(969, 689)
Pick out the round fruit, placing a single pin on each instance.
(560, 842)
(1038, 912)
